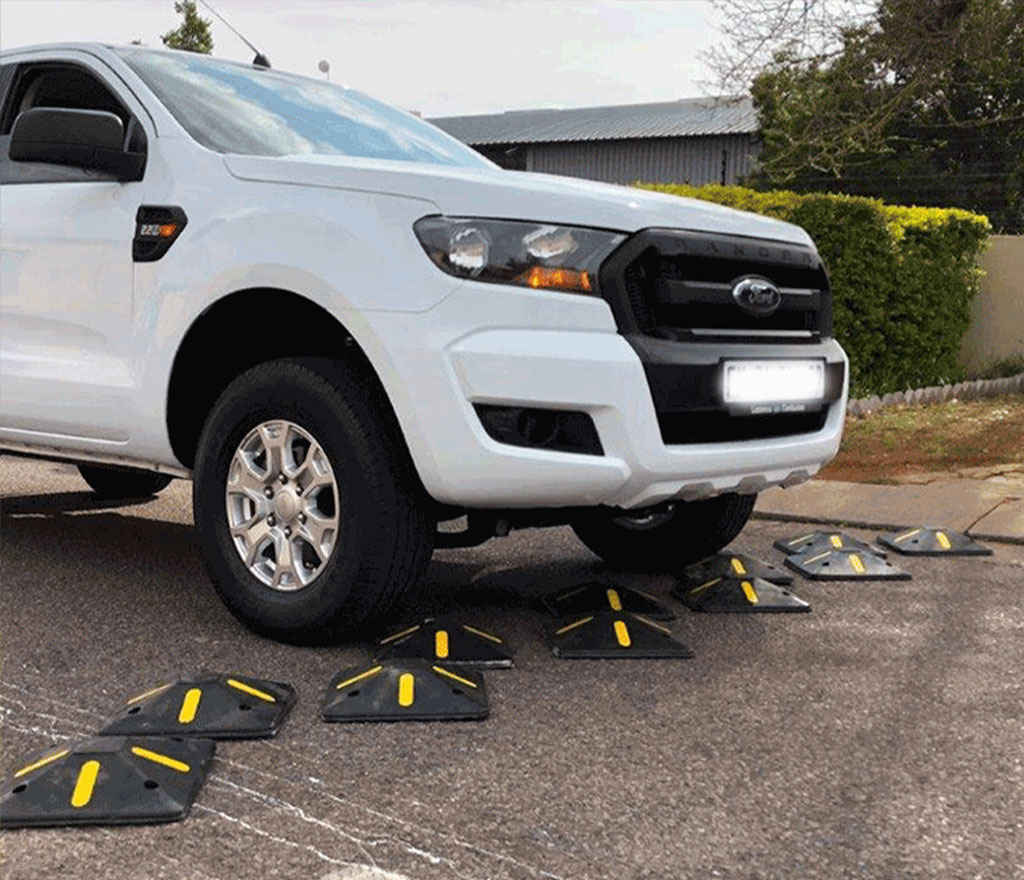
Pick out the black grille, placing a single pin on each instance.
(719, 427)
(678, 285)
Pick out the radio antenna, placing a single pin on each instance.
(260, 60)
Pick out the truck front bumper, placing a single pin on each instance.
(562, 352)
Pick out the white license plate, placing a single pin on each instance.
(769, 383)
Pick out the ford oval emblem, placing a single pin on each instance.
(756, 295)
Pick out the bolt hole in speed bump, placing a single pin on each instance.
(820, 542)
(447, 641)
(596, 596)
(405, 690)
(207, 705)
(925, 541)
(733, 565)
(845, 565)
(739, 595)
(608, 635)
(107, 780)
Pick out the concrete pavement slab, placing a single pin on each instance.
(953, 503)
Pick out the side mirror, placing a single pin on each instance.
(91, 139)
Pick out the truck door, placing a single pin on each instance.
(66, 269)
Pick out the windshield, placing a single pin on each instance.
(231, 108)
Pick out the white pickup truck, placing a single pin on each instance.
(346, 327)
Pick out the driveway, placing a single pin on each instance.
(881, 736)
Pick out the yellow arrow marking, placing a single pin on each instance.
(359, 677)
(399, 635)
(158, 758)
(836, 541)
(614, 600)
(42, 762)
(573, 625)
(482, 634)
(858, 566)
(406, 689)
(441, 644)
(85, 783)
(248, 689)
(155, 690)
(453, 676)
(189, 706)
(943, 541)
(737, 566)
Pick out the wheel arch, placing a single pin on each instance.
(224, 340)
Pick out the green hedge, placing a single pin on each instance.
(902, 278)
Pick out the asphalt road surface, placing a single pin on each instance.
(881, 736)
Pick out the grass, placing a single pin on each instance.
(898, 443)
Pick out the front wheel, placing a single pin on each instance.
(667, 537)
(309, 514)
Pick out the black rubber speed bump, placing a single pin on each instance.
(446, 641)
(595, 596)
(733, 565)
(615, 635)
(819, 542)
(107, 780)
(208, 705)
(405, 690)
(933, 542)
(845, 565)
(731, 594)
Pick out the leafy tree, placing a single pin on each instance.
(193, 34)
(914, 101)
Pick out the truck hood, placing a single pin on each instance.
(513, 195)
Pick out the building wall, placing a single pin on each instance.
(695, 160)
(997, 315)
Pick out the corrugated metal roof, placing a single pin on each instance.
(686, 118)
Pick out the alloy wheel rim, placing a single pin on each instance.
(282, 501)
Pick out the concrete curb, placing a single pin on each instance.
(883, 526)
(938, 394)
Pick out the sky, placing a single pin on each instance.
(437, 57)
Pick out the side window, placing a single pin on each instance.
(63, 85)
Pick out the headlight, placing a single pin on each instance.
(537, 255)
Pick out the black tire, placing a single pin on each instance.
(385, 532)
(123, 482)
(690, 531)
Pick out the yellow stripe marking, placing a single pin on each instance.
(858, 566)
(904, 537)
(189, 706)
(453, 676)
(750, 592)
(577, 623)
(482, 634)
(800, 539)
(737, 566)
(816, 558)
(614, 600)
(399, 635)
(359, 677)
(943, 541)
(653, 625)
(42, 762)
(85, 783)
(406, 689)
(837, 542)
(704, 586)
(158, 758)
(563, 596)
(249, 689)
(622, 633)
(441, 644)
(155, 690)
